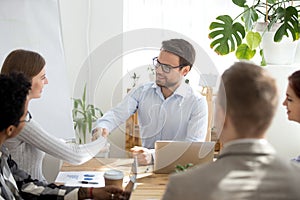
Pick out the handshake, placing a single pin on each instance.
(97, 132)
(144, 155)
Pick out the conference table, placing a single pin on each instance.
(149, 185)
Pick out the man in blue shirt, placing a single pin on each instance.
(168, 109)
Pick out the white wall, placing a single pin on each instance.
(284, 134)
(34, 25)
(88, 29)
(89, 26)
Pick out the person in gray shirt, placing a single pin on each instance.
(247, 167)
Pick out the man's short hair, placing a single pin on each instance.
(249, 97)
(14, 89)
(181, 48)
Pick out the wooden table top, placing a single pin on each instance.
(148, 186)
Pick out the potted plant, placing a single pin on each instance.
(239, 34)
(135, 79)
(183, 168)
(84, 115)
(151, 71)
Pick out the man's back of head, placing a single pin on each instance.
(249, 97)
(247, 167)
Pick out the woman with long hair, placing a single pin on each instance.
(29, 147)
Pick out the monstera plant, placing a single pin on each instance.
(238, 34)
(84, 115)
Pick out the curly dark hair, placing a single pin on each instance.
(14, 89)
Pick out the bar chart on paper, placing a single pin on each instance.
(81, 178)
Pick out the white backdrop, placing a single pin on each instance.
(86, 25)
(35, 25)
(192, 18)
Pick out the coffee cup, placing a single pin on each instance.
(114, 177)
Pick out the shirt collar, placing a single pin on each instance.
(247, 146)
(247, 140)
(181, 90)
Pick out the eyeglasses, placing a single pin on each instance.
(27, 118)
(166, 68)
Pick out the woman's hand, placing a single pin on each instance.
(99, 131)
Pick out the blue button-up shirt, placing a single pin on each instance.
(183, 116)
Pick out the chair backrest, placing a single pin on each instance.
(132, 135)
(208, 93)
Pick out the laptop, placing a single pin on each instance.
(168, 154)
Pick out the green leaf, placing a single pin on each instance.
(89, 122)
(180, 168)
(253, 39)
(263, 60)
(84, 93)
(226, 34)
(240, 3)
(290, 24)
(250, 16)
(189, 165)
(244, 52)
(83, 116)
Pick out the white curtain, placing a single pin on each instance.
(35, 25)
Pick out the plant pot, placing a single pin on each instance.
(276, 53)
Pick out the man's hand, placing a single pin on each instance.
(103, 193)
(109, 192)
(99, 131)
(144, 155)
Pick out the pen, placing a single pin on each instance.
(87, 182)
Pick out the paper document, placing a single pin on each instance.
(81, 178)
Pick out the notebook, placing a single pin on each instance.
(168, 154)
